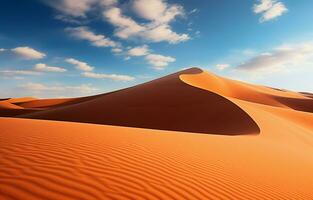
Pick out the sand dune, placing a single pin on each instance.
(258, 143)
(165, 104)
(8, 108)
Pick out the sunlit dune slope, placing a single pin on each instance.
(66, 160)
(248, 92)
(165, 104)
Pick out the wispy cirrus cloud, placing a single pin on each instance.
(157, 61)
(46, 68)
(88, 71)
(98, 40)
(279, 58)
(38, 69)
(18, 73)
(55, 90)
(79, 64)
(269, 9)
(115, 77)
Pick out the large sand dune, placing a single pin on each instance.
(258, 143)
(165, 104)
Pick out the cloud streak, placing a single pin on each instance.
(279, 58)
(28, 53)
(44, 90)
(98, 40)
(79, 64)
(46, 68)
(88, 71)
(14, 73)
(114, 77)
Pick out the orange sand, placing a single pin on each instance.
(42, 159)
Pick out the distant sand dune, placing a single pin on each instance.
(9, 109)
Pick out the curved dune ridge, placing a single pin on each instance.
(66, 160)
(8, 108)
(42, 159)
(164, 104)
(250, 93)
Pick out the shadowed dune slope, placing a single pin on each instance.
(18, 106)
(53, 103)
(249, 92)
(166, 104)
(42, 159)
(8, 109)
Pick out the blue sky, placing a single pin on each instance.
(65, 48)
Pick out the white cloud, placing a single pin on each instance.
(280, 58)
(71, 9)
(138, 51)
(270, 9)
(159, 62)
(164, 33)
(117, 50)
(28, 53)
(114, 77)
(157, 11)
(221, 67)
(45, 68)
(57, 90)
(79, 64)
(2, 49)
(12, 73)
(84, 33)
(157, 30)
(263, 6)
(126, 27)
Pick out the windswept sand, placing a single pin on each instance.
(62, 160)
(43, 159)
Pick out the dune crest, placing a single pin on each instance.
(248, 92)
